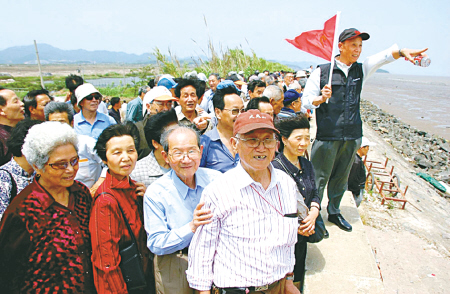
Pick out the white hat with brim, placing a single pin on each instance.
(83, 91)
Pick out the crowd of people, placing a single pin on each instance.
(201, 183)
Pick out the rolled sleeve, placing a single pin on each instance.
(161, 239)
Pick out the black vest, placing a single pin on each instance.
(339, 119)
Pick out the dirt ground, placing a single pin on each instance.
(411, 246)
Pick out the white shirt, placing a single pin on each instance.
(102, 108)
(370, 66)
(249, 242)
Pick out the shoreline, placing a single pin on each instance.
(428, 153)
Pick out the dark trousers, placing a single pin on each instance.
(332, 162)
(300, 261)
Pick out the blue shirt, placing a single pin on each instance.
(134, 110)
(169, 205)
(215, 154)
(207, 103)
(83, 127)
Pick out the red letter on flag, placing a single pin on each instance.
(318, 42)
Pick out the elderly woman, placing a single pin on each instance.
(295, 139)
(116, 146)
(17, 173)
(44, 233)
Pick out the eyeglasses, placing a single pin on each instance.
(96, 97)
(191, 154)
(64, 165)
(254, 142)
(164, 103)
(235, 111)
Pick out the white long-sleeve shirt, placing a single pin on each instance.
(249, 242)
(370, 66)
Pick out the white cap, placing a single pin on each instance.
(84, 90)
(300, 74)
(159, 93)
(366, 142)
(201, 76)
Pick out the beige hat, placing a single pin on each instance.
(158, 93)
(84, 90)
(300, 74)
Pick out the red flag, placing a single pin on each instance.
(318, 42)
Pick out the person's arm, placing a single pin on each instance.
(162, 240)
(14, 244)
(131, 110)
(105, 236)
(5, 191)
(203, 248)
(313, 96)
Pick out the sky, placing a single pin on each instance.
(138, 26)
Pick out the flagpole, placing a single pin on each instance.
(336, 30)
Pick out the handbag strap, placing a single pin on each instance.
(13, 185)
(289, 173)
(133, 238)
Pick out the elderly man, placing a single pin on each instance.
(292, 104)
(153, 166)
(339, 125)
(217, 151)
(35, 102)
(89, 121)
(134, 108)
(90, 164)
(276, 96)
(172, 212)
(288, 79)
(249, 245)
(207, 104)
(11, 112)
(186, 91)
(159, 99)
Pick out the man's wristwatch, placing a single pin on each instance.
(400, 53)
(290, 276)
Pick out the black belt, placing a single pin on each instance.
(185, 250)
(242, 290)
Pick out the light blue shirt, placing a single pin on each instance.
(83, 127)
(207, 103)
(169, 205)
(215, 154)
(90, 164)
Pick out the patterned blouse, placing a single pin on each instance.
(45, 246)
(21, 177)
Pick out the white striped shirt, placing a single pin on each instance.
(249, 242)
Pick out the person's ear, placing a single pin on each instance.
(218, 113)
(156, 145)
(165, 156)
(234, 143)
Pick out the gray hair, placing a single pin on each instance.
(294, 86)
(58, 107)
(179, 129)
(44, 138)
(143, 89)
(273, 92)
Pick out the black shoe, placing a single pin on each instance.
(339, 221)
(326, 235)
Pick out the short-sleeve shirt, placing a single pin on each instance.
(215, 154)
(83, 127)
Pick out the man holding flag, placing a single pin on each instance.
(336, 100)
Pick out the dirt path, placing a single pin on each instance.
(412, 246)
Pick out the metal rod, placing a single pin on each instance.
(39, 65)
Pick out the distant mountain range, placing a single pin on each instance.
(50, 54)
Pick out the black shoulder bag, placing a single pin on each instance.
(131, 260)
(319, 230)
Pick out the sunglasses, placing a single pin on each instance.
(93, 96)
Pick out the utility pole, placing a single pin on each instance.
(39, 65)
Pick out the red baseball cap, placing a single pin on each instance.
(253, 120)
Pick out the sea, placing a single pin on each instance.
(420, 101)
